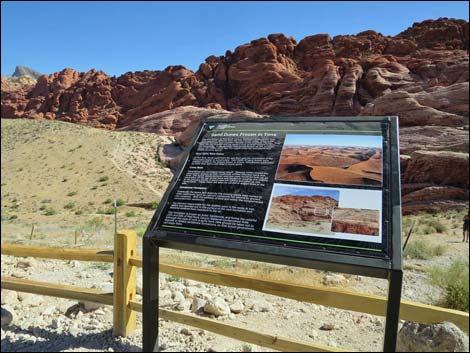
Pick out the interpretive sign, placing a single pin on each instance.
(301, 187)
(319, 193)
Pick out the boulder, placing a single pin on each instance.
(217, 307)
(237, 307)
(442, 337)
(197, 305)
(7, 317)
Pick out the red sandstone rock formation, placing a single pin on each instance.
(422, 75)
(294, 209)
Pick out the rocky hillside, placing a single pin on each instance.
(421, 74)
(26, 71)
(23, 78)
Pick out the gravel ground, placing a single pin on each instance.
(43, 323)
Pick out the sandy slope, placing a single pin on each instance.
(75, 169)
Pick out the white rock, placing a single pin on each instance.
(190, 292)
(178, 297)
(74, 329)
(165, 293)
(32, 300)
(99, 312)
(191, 283)
(217, 307)
(258, 305)
(237, 307)
(247, 347)
(50, 310)
(176, 286)
(442, 337)
(9, 297)
(185, 331)
(26, 263)
(197, 304)
(75, 264)
(90, 306)
(334, 279)
(183, 306)
(56, 323)
(105, 287)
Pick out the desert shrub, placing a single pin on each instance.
(437, 225)
(72, 193)
(120, 202)
(13, 217)
(425, 229)
(421, 250)
(42, 208)
(439, 250)
(69, 205)
(431, 224)
(153, 205)
(94, 187)
(106, 211)
(14, 206)
(78, 212)
(454, 279)
(130, 214)
(174, 279)
(105, 266)
(49, 211)
(103, 178)
(46, 201)
(95, 223)
(108, 201)
(140, 232)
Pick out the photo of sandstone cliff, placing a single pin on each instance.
(345, 160)
(356, 221)
(301, 210)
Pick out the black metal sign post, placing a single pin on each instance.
(183, 221)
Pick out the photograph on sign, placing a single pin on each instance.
(331, 159)
(325, 212)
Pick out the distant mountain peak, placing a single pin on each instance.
(26, 71)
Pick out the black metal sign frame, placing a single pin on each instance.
(388, 268)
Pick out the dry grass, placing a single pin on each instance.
(58, 175)
(266, 271)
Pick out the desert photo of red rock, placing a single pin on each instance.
(301, 210)
(331, 159)
(309, 210)
(356, 221)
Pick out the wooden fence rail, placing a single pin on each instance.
(125, 305)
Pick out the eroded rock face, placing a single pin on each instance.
(422, 75)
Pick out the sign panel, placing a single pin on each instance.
(321, 186)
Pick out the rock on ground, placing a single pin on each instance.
(442, 337)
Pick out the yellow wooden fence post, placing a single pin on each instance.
(124, 319)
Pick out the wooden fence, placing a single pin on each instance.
(125, 305)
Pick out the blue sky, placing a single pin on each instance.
(280, 189)
(334, 140)
(127, 36)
